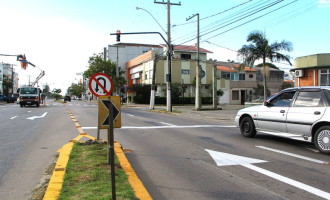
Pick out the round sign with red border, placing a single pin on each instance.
(100, 84)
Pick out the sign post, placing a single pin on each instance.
(101, 85)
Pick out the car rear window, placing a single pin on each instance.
(309, 99)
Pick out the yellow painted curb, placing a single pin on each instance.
(138, 187)
(56, 182)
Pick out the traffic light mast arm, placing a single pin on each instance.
(139, 33)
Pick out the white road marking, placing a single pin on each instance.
(222, 159)
(167, 124)
(293, 155)
(2, 106)
(36, 117)
(13, 117)
(130, 115)
(162, 127)
(29, 111)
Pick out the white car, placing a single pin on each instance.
(298, 113)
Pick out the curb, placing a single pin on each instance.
(56, 181)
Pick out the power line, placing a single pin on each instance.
(243, 13)
(214, 14)
(241, 18)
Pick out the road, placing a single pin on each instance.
(171, 153)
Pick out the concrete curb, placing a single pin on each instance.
(137, 185)
(56, 182)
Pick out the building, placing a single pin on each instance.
(312, 70)
(7, 73)
(238, 85)
(124, 52)
(140, 70)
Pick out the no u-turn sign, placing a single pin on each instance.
(101, 84)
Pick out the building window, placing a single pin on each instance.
(185, 71)
(146, 76)
(237, 77)
(225, 75)
(186, 56)
(235, 95)
(207, 87)
(324, 77)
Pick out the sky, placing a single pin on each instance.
(59, 36)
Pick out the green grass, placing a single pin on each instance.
(88, 175)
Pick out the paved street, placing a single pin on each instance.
(174, 154)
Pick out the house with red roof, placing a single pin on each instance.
(239, 84)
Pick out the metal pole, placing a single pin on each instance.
(153, 85)
(111, 152)
(198, 103)
(169, 54)
(214, 85)
(198, 98)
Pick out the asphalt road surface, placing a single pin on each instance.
(176, 157)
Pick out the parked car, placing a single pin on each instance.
(2, 98)
(298, 113)
(67, 98)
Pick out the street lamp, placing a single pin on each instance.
(138, 8)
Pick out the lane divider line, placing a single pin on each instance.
(56, 182)
(293, 155)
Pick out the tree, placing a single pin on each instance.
(97, 65)
(75, 89)
(56, 93)
(259, 48)
(7, 84)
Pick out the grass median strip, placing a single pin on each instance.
(88, 175)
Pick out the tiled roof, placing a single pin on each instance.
(225, 69)
(229, 69)
(188, 48)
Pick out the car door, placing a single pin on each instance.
(272, 116)
(308, 108)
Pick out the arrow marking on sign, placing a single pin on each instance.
(36, 117)
(99, 84)
(115, 111)
(223, 159)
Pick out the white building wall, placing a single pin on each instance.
(126, 53)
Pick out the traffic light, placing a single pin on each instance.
(118, 35)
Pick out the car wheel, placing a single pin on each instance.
(21, 105)
(247, 127)
(322, 139)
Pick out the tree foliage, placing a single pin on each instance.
(260, 49)
(76, 89)
(96, 64)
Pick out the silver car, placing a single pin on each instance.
(299, 113)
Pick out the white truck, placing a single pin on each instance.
(29, 95)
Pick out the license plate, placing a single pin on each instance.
(29, 102)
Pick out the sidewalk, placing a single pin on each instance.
(225, 114)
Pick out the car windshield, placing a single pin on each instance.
(29, 91)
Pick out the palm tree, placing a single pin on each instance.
(260, 49)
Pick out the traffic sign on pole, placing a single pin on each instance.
(103, 118)
(100, 84)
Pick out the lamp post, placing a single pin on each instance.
(138, 8)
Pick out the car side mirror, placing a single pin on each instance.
(267, 103)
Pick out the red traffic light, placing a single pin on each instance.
(118, 35)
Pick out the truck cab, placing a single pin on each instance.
(29, 96)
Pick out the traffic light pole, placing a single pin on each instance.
(169, 58)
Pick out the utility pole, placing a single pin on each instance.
(198, 97)
(153, 84)
(169, 53)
